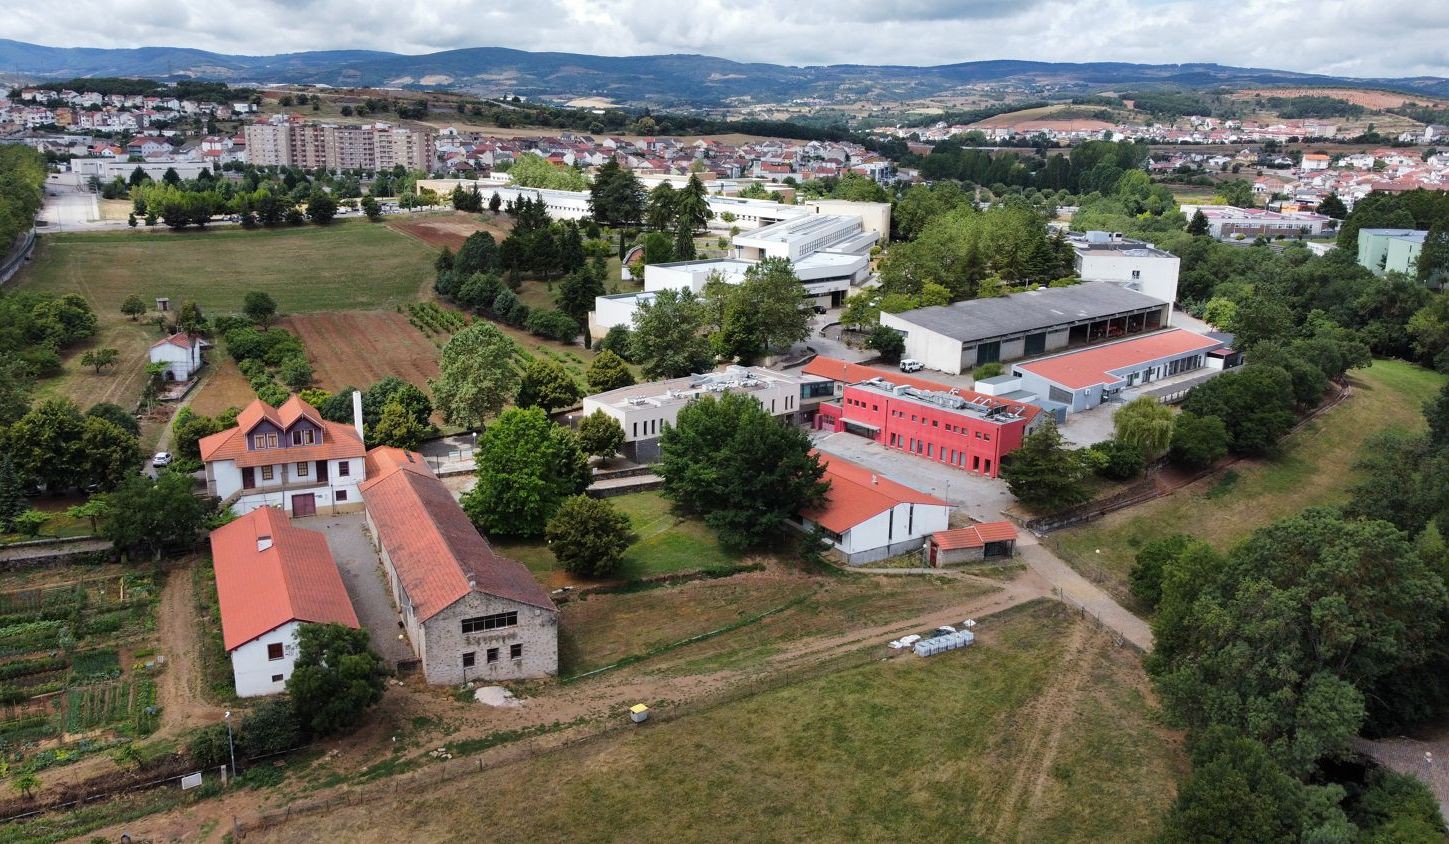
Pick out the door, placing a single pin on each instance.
(321, 471)
(304, 505)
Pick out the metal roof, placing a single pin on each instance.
(1034, 310)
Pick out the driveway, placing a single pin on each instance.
(979, 497)
(68, 208)
(362, 574)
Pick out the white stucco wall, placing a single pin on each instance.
(936, 351)
(254, 671)
(224, 479)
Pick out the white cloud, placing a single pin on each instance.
(1349, 37)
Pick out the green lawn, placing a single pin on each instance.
(344, 266)
(667, 543)
(1315, 468)
(351, 265)
(1039, 733)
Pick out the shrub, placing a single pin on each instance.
(552, 324)
(987, 370)
(1121, 461)
(209, 747)
(270, 728)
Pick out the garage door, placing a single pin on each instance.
(304, 505)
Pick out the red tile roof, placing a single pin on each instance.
(338, 440)
(857, 494)
(855, 373)
(1090, 367)
(295, 579)
(438, 554)
(974, 536)
(182, 340)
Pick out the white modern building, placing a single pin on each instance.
(869, 517)
(829, 253)
(1085, 379)
(287, 457)
(271, 578)
(181, 353)
(643, 410)
(107, 169)
(1227, 221)
(1107, 256)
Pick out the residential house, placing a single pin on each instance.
(271, 578)
(181, 353)
(287, 457)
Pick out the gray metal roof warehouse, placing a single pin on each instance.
(1003, 316)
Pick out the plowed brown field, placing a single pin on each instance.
(358, 348)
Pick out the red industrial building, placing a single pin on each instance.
(961, 428)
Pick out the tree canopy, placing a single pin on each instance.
(476, 377)
(526, 467)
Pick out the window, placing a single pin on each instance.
(341, 495)
(469, 659)
(492, 655)
(344, 468)
(303, 468)
(268, 472)
(515, 652)
(259, 441)
(296, 438)
(276, 678)
(274, 651)
(271, 440)
(636, 430)
(1136, 273)
(495, 621)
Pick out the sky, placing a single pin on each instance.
(1338, 37)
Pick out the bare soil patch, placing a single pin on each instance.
(225, 387)
(358, 348)
(1367, 99)
(452, 230)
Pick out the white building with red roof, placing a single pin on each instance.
(1085, 379)
(181, 353)
(287, 457)
(469, 612)
(271, 578)
(869, 517)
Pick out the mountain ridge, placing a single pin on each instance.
(674, 79)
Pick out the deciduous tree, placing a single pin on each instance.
(588, 536)
(476, 377)
(600, 435)
(336, 678)
(727, 459)
(527, 466)
(1146, 423)
(546, 384)
(608, 372)
(666, 334)
(260, 307)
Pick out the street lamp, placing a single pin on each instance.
(230, 747)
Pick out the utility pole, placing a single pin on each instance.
(230, 745)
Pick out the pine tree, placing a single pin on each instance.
(684, 245)
(1199, 223)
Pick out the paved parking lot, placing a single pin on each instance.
(979, 497)
(362, 575)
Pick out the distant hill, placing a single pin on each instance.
(661, 80)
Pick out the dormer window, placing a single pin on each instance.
(271, 440)
(259, 441)
(303, 437)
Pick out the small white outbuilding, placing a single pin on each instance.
(181, 353)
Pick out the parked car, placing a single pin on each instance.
(162, 458)
(911, 365)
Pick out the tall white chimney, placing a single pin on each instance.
(357, 412)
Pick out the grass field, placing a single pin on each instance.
(667, 543)
(1042, 732)
(348, 265)
(1315, 468)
